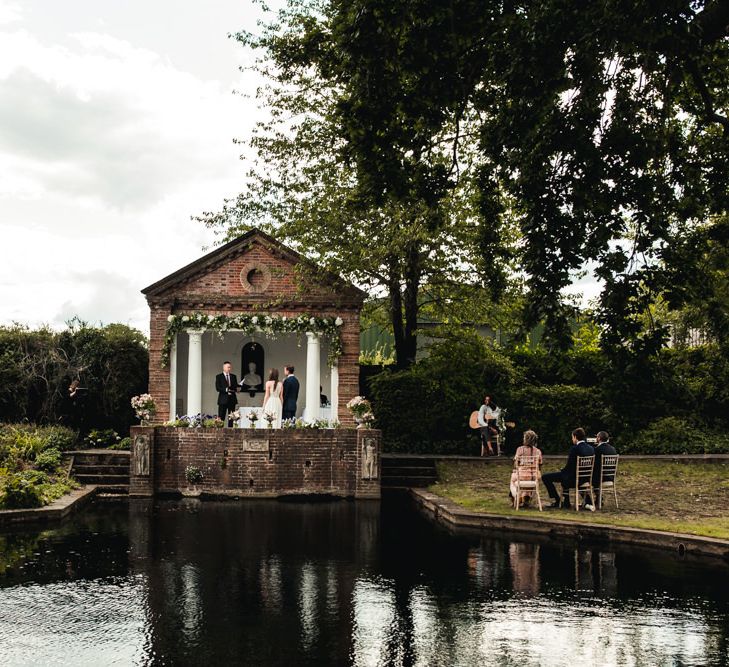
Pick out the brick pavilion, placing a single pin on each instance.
(260, 305)
(252, 275)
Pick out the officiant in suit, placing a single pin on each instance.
(290, 393)
(226, 384)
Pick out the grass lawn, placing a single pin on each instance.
(680, 497)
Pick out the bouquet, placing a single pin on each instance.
(144, 406)
(361, 409)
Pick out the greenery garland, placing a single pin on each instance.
(328, 328)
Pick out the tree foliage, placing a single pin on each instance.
(37, 366)
(389, 202)
(407, 138)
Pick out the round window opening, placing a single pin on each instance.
(255, 278)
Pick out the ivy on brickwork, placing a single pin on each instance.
(328, 328)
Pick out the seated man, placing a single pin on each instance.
(602, 448)
(566, 476)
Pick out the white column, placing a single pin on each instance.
(173, 379)
(334, 393)
(194, 371)
(313, 380)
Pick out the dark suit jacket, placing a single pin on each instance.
(569, 471)
(221, 386)
(603, 449)
(290, 393)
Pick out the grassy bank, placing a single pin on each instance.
(680, 497)
(31, 473)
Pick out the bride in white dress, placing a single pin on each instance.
(272, 403)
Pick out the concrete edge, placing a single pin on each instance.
(57, 510)
(456, 458)
(454, 516)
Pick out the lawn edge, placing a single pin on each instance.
(55, 511)
(452, 515)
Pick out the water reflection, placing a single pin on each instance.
(269, 583)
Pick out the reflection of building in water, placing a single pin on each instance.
(524, 563)
(583, 570)
(308, 605)
(269, 574)
(606, 574)
(285, 572)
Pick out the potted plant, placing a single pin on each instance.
(361, 410)
(194, 477)
(144, 408)
(252, 417)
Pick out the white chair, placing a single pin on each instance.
(528, 468)
(608, 473)
(583, 479)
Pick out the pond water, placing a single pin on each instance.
(341, 583)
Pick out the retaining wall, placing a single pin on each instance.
(256, 462)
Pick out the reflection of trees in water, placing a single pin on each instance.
(341, 584)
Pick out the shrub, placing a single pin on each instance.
(555, 411)
(101, 438)
(426, 408)
(28, 440)
(124, 443)
(23, 490)
(671, 435)
(48, 460)
(60, 437)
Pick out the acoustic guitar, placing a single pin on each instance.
(473, 421)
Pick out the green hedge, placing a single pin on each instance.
(555, 411)
(426, 408)
(672, 435)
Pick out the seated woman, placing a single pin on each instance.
(525, 472)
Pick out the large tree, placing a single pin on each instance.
(390, 198)
(407, 137)
(608, 125)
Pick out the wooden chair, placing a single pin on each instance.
(528, 467)
(583, 479)
(608, 473)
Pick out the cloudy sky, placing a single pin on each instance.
(117, 122)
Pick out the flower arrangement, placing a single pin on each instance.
(299, 423)
(193, 475)
(328, 328)
(269, 417)
(252, 418)
(144, 407)
(361, 410)
(195, 421)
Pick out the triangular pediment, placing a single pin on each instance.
(255, 266)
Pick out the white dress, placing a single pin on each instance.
(273, 405)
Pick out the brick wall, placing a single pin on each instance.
(305, 461)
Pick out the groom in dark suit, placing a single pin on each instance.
(226, 384)
(290, 393)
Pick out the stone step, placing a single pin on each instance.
(394, 461)
(103, 480)
(408, 482)
(416, 471)
(112, 492)
(101, 469)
